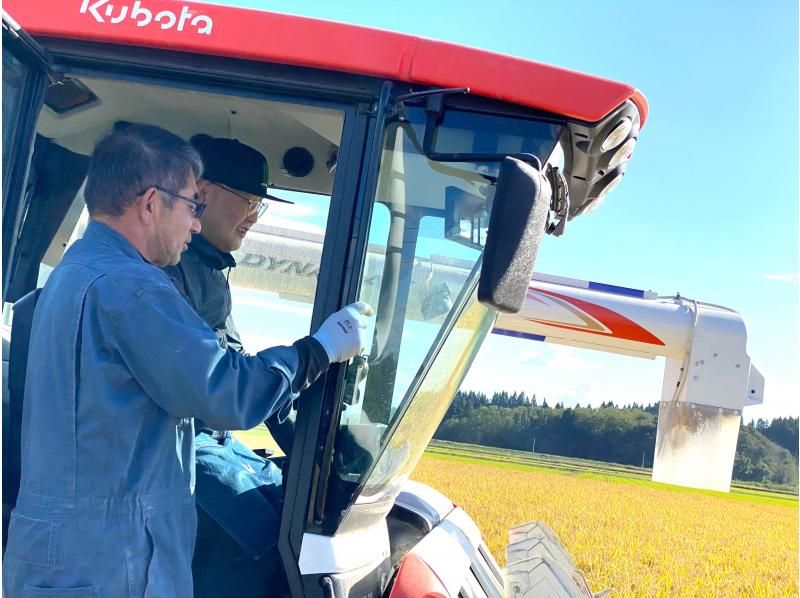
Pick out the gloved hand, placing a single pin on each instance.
(344, 334)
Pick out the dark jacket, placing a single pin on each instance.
(202, 277)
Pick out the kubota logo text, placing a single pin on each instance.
(103, 12)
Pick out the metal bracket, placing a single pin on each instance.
(559, 204)
(435, 96)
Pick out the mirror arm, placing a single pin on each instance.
(559, 204)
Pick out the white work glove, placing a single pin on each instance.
(344, 334)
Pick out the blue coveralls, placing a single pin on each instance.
(119, 365)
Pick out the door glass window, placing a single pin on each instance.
(432, 397)
(428, 229)
(275, 280)
(15, 76)
(23, 86)
(274, 283)
(419, 272)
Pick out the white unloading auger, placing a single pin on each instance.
(708, 378)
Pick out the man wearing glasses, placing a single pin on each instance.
(119, 366)
(239, 494)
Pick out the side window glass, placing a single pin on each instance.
(15, 76)
(275, 281)
(421, 276)
(22, 86)
(416, 276)
(377, 243)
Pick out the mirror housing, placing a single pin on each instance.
(516, 226)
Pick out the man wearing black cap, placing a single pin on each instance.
(234, 188)
(239, 494)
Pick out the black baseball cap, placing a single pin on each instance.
(234, 164)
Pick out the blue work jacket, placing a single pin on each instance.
(119, 366)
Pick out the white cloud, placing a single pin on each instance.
(294, 211)
(781, 396)
(295, 225)
(568, 360)
(790, 277)
(563, 374)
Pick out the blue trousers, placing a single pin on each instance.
(239, 497)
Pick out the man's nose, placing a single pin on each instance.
(196, 226)
(252, 215)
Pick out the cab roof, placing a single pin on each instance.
(301, 41)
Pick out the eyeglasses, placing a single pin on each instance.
(259, 205)
(198, 207)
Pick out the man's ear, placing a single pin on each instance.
(146, 205)
(203, 188)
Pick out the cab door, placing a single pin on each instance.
(26, 75)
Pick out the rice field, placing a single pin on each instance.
(624, 532)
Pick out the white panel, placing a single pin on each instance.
(695, 446)
(449, 549)
(755, 387)
(431, 505)
(344, 552)
(719, 367)
(560, 280)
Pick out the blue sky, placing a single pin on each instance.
(709, 206)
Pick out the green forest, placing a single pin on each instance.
(766, 453)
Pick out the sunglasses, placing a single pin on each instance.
(197, 206)
(259, 205)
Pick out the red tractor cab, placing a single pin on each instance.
(398, 152)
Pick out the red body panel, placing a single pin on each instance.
(301, 41)
(415, 579)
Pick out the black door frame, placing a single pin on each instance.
(15, 174)
(318, 413)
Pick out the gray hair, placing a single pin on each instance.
(133, 157)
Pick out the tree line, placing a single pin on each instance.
(766, 452)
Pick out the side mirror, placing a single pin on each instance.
(516, 226)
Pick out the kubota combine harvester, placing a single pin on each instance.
(425, 174)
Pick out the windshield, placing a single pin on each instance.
(427, 232)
